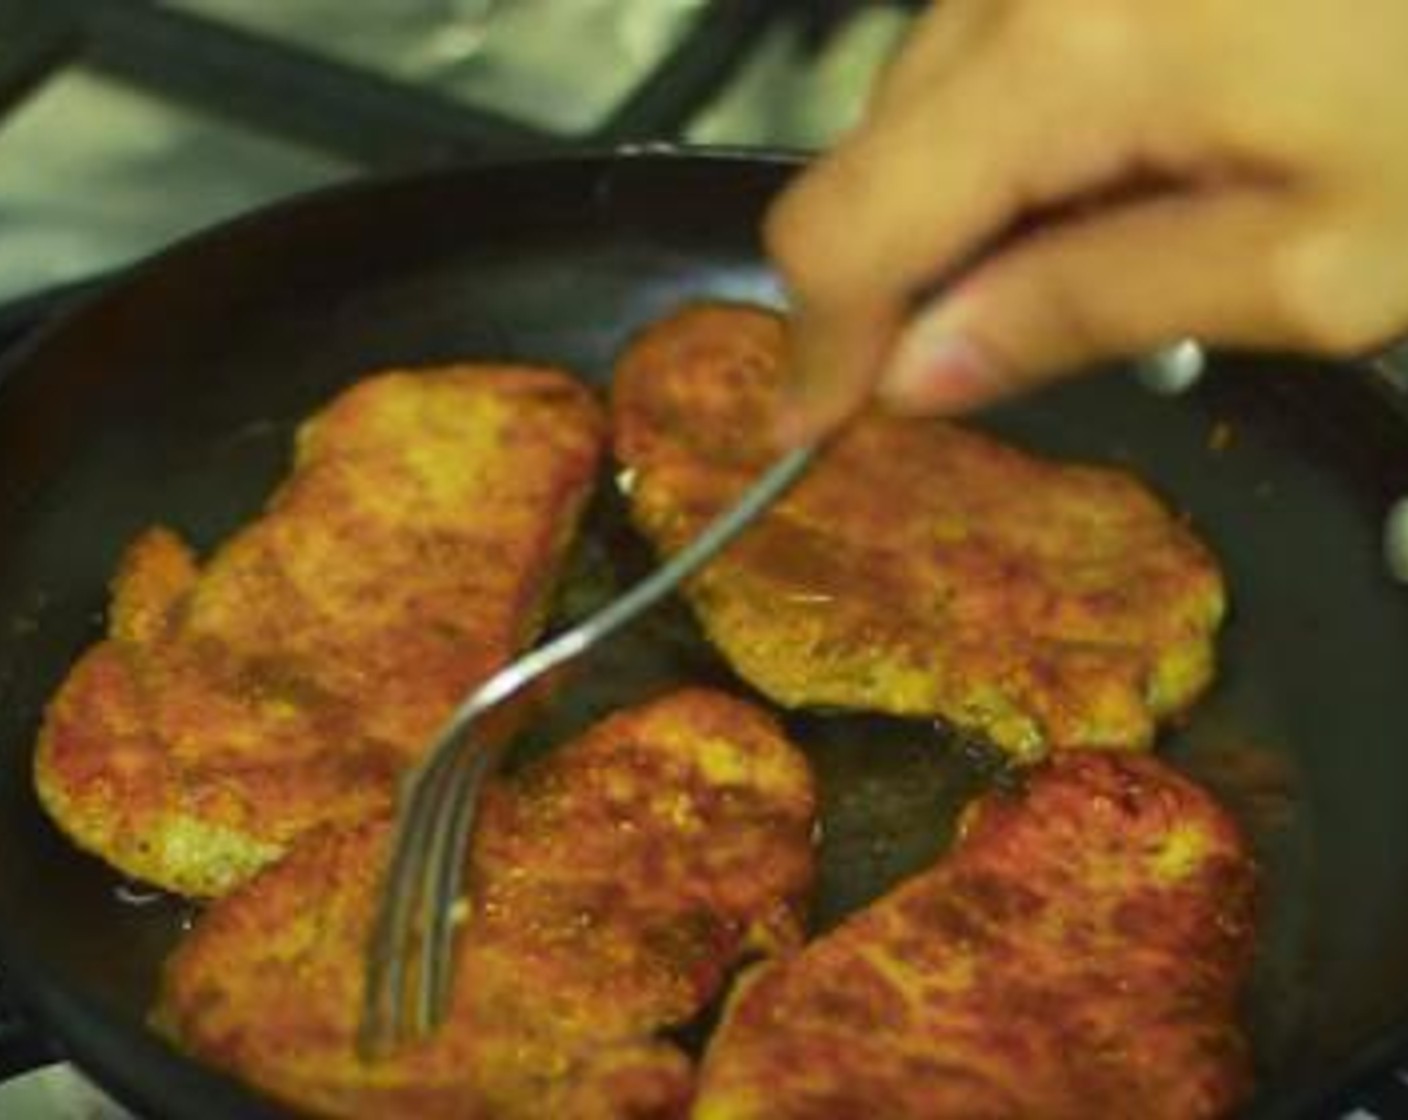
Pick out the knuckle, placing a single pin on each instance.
(1099, 35)
(1034, 322)
(1332, 300)
(1072, 329)
(803, 230)
(785, 232)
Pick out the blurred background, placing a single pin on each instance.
(125, 124)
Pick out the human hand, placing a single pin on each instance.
(1039, 186)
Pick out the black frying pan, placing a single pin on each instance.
(172, 396)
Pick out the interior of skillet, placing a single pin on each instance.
(175, 400)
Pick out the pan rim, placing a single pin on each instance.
(87, 295)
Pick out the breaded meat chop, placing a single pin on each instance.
(613, 886)
(920, 569)
(288, 681)
(1078, 954)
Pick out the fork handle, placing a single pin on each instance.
(766, 490)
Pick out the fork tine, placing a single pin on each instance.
(381, 1013)
(392, 951)
(408, 974)
(420, 996)
(446, 866)
(397, 1003)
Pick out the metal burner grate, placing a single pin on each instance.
(350, 111)
(125, 124)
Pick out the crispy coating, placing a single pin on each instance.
(1078, 954)
(287, 682)
(614, 884)
(921, 568)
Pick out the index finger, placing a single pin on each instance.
(912, 197)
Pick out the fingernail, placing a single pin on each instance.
(937, 368)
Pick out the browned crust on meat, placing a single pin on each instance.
(285, 683)
(922, 568)
(1080, 953)
(614, 886)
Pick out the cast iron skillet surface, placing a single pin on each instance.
(172, 396)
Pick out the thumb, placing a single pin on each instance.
(1105, 285)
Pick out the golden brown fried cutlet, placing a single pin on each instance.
(1078, 954)
(286, 682)
(614, 884)
(920, 569)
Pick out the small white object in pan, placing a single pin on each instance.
(1174, 369)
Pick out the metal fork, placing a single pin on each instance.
(409, 965)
